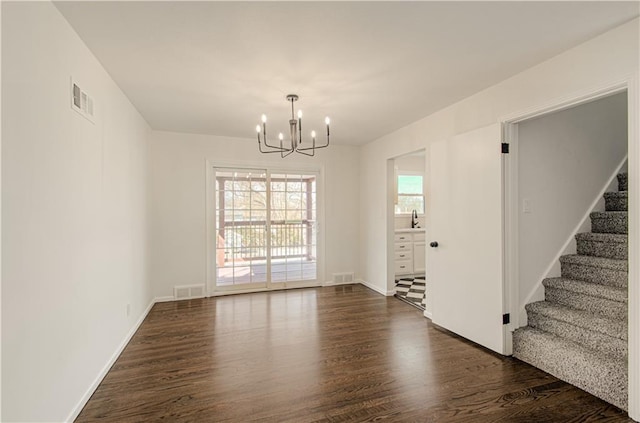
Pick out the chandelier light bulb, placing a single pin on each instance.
(299, 114)
(258, 129)
(313, 134)
(280, 136)
(264, 118)
(327, 120)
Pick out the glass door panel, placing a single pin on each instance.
(265, 228)
(241, 220)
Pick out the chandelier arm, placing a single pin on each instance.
(282, 150)
(285, 155)
(307, 154)
(314, 146)
(270, 151)
(277, 149)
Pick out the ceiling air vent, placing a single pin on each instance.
(82, 102)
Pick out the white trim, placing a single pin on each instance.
(427, 314)
(510, 286)
(269, 167)
(257, 290)
(210, 227)
(633, 104)
(390, 228)
(105, 369)
(631, 84)
(375, 288)
(332, 283)
(165, 299)
(561, 103)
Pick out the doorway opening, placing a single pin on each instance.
(407, 206)
(265, 229)
(567, 245)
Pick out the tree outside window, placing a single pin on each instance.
(410, 194)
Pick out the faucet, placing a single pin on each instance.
(414, 219)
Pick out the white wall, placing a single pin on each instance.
(74, 198)
(565, 159)
(610, 57)
(178, 202)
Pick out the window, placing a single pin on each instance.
(410, 194)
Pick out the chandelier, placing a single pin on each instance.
(295, 135)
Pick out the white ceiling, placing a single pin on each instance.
(215, 67)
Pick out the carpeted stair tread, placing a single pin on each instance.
(613, 222)
(581, 327)
(612, 327)
(623, 182)
(616, 201)
(598, 237)
(602, 262)
(595, 298)
(613, 246)
(602, 270)
(612, 293)
(596, 373)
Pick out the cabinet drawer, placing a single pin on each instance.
(404, 255)
(404, 246)
(404, 267)
(419, 236)
(403, 238)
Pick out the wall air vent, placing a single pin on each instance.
(185, 292)
(340, 278)
(82, 102)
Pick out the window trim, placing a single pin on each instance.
(210, 214)
(424, 196)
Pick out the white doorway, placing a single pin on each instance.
(408, 202)
(513, 206)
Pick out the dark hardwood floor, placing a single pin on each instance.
(322, 354)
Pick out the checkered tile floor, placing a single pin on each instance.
(411, 289)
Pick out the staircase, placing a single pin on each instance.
(579, 332)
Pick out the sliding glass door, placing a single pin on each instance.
(266, 228)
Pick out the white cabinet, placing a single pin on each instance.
(409, 253)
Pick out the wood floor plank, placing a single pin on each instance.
(335, 354)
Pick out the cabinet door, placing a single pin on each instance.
(419, 257)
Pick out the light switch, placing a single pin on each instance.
(526, 205)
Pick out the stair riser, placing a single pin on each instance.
(612, 224)
(594, 274)
(615, 347)
(606, 379)
(614, 250)
(622, 182)
(615, 204)
(604, 307)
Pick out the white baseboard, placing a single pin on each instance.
(164, 299)
(332, 283)
(427, 314)
(83, 401)
(375, 288)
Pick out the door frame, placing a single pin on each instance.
(210, 223)
(631, 85)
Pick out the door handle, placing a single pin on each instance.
(434, 244)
